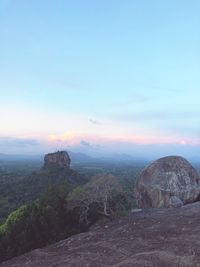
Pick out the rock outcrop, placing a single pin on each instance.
(151, 238)
(57, 159)
(168, 182)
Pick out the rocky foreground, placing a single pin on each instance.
(153, 237)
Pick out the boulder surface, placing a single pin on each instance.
(149, 238)
(168, 182)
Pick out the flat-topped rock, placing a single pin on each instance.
(57, 159)
(167, 182)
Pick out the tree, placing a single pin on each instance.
(35, 225)
(96, 198)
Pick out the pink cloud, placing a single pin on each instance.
(71, 138)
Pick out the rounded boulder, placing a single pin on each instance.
(168, 182)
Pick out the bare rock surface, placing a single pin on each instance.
(147, 238)
(57, 159)
(167, 182)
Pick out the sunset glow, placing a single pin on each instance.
(104, 77)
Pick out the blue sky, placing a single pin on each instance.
(112, 74)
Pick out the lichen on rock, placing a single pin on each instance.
(168, 182)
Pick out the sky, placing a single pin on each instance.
(100, 76)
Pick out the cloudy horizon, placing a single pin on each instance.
(100, 77)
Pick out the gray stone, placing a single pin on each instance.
(168, 182)
(57, 159)
(151, 238)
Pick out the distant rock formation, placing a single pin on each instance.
(57, 159)
(168, 182)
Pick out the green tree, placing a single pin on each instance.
(35, 225)
(96, 198)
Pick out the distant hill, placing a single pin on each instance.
(77, 157)
(16, 157)
(123, 158)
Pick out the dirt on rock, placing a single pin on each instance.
(149, 238)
